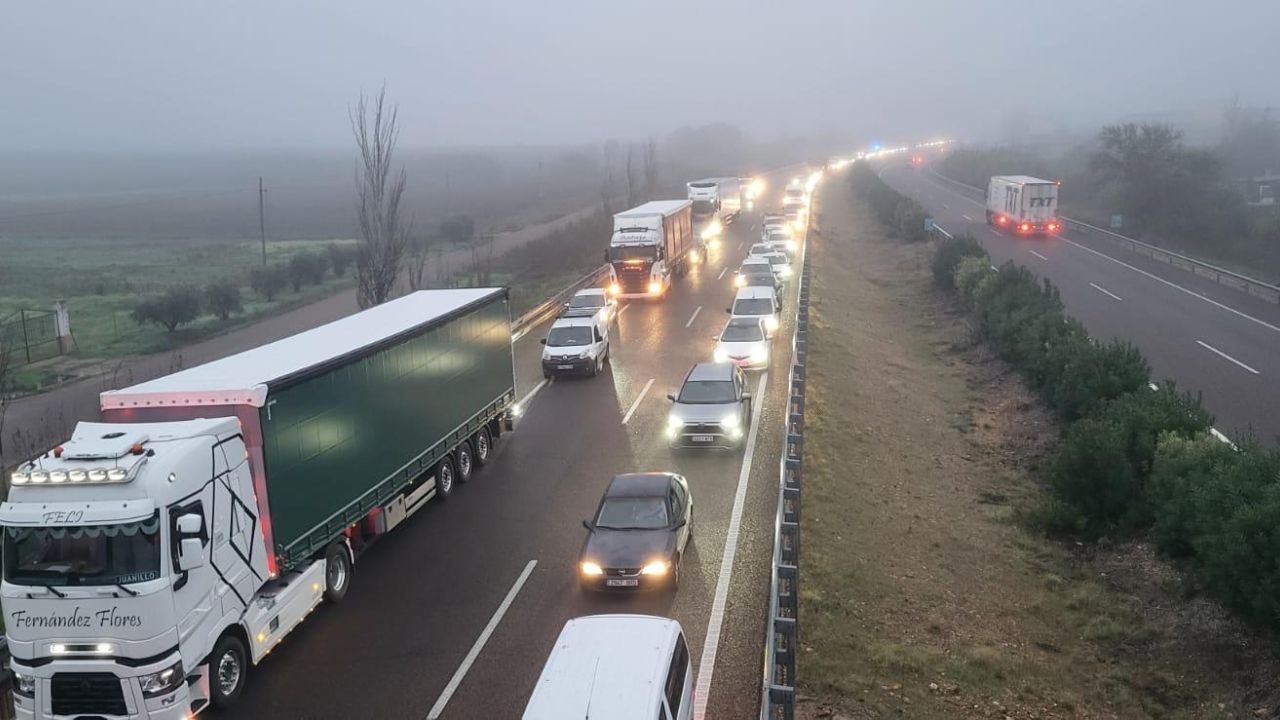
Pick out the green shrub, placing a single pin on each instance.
(176, 307)
(949, 254)
(223, 299)
(268, 281)
(1092, 473)
(307, 268)
(1089, 374)
(908, 219)
(1183, 475)
(970, 274)
(1104, 459)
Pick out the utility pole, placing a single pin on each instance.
(262, 218)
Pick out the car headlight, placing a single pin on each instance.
(759, 355)
(791, 245)
(24, 685)
(785, 271)
(739, 281)
(657, 567)
(771, 323)
(720, 355)
(615, 288)
(163, 682)
(730, 422)
(590, 568)
(674, 421)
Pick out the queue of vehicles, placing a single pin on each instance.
(152, 560)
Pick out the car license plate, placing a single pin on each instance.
(621, 582)
(703, 438)
(564, 367)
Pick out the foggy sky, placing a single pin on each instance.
(177, 74)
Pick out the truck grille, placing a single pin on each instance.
(633, 282)
(84, 693)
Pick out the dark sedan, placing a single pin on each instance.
(638, 534)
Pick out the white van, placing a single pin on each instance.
(759, 303)
(576, 346)
(621, 667)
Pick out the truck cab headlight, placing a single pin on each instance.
(24, 685)
(163, 682)
(771, 322)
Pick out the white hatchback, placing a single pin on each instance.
(743, 342)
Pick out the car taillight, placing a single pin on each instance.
(1024, 227)
(1001, 220)
(1053, 226)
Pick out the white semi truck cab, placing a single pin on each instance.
(129, 552)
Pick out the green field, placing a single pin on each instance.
(102, 280)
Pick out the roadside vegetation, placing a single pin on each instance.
(1188, 199)
(987, 497)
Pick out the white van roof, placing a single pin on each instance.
(753, 292)
(605, 666)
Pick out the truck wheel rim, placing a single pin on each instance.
(482, 446)
(446, 478)
(337, 575)
(464, 463)
(228, 672)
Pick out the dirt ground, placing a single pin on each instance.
(924, 593)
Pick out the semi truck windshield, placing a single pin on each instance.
(632, 252)
(83, 555)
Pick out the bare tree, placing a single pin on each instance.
(631, 176)
(608, 191)
(384, 234)
(417, 254)
(650, 169)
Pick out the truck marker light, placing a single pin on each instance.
(19, 478)
(262, 637)
(57, 476)
(38, 477)
(77, 476)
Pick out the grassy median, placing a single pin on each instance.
(924, 595)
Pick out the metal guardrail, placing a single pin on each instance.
(552, 305)
(778, 692)
(1243, 283)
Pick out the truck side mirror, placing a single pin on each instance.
(190, 553)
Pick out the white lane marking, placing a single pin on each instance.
(693, 316)
(966, 217)
(1033, 252)
(623, 309)
(707, 665)
(1176, 286)
(741, 244)
(523, 403)
(723, 270)
(1105, 291)
(644, 391)
(456, 680)
(1222, 438)
(1225, 356)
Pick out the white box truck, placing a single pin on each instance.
(151, 560)
(650, 244)
(1023, 205)
(719, 197)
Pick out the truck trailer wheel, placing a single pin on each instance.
(483, 444)
(337, 573)
(466, 461)
(228, 670)
(445, 477)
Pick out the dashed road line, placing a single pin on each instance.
(694, 316)
(1225, 356)
(1105, 291)
(644, 391)
(1033, 252)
